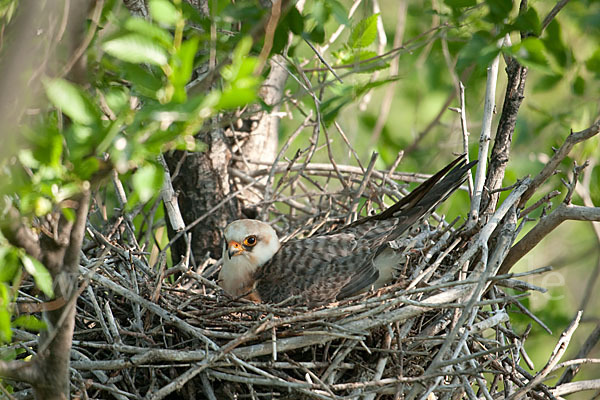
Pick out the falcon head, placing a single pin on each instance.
(248, 245)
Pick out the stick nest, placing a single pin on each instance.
(145, 331)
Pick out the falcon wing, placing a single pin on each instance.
(320, 269)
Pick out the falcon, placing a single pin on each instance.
(328, 267)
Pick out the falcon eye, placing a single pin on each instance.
(250, 241)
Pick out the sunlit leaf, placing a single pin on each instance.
(41, 276)
(71, 101)
(182, 67)
(364, 33)
(69, 214)
(136, 48)
(164, 12)
(42, 206)
(30, 322)
(9, 262)
(148, 29)
(5, 329)
(147, 181)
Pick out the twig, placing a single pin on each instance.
(546, 225)
(323, 60)
(559, 155)
(484, 138)
(557, 353)
(587, 347)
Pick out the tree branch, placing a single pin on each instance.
(20, 235)
(559, 155)
(19, 371)
(517, 75)
(546, 225)
(557, 353)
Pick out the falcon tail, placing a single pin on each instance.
(407, 212)
(426, 197)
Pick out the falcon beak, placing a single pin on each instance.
(234, 248)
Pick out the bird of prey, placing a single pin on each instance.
(328, 267)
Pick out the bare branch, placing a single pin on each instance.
(557, 353)
(587, 347)
(484, 138)
(18, 234)
(546, 225)
(555, 10)
(559, 155)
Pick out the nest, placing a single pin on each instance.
(442, 330)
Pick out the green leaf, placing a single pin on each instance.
(148, 29)
(528, 22)
(364, 33)
(143, 81)
(40, 274)
(182, 65)
(317, 34)
(191, 14)
(164, 12)
(593, 63)
(147, 181)
(69, 214)
(499, 10)
(480, 50)
(339, 12)
(242, 49)
(460, 3)
(319, 12)
(117, 99)
(554, 44)
(30, 323)
(579, 86)
(530, 52)
(42, 206)
(71, 101)
(136, 48)
(295, 21)
(547, 82)
(5, 329)
(8, 263)
(237, 97)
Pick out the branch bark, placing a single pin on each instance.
(560, 154)
(546, 225)
(517, 74)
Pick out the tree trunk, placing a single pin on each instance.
(202, 181)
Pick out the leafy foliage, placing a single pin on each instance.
(138, 108)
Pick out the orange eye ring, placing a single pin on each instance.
(250, 241)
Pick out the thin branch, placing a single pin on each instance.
(557, 353)
(489, 106)
(555, 10)
(559, 155)
(546, 225)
